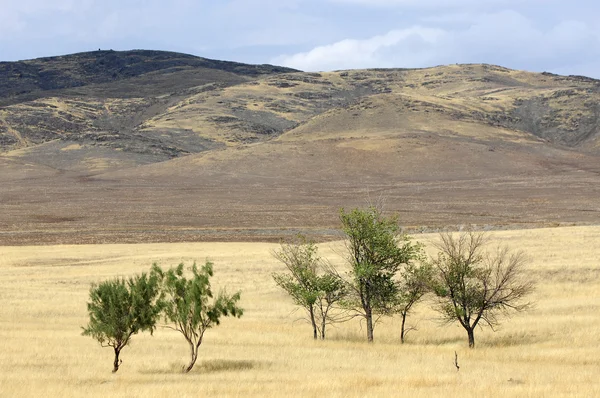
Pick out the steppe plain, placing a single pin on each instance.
(113, 160)
(551, 350)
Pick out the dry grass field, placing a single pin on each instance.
(553, 350)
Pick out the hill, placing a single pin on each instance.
(179, 148)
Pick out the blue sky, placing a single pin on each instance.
(537, 35)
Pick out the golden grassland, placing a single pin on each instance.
(552, 350)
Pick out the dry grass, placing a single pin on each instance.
(554, 350)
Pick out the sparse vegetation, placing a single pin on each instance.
(74, 128)
(552, 350)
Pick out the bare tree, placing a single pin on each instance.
(475, 286)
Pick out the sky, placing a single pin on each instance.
(557, 36)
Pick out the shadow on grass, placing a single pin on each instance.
(436, 341)
(208, 366)
(225, 365)
(510, 340)
(507, 340)
(351, 337)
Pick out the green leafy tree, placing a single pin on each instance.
(309, 283)
(120, 308)
(414, 282)
(190, 306)
(475, 286)
(376, 252)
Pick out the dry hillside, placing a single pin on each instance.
(151, 146)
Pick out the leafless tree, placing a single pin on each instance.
(475, 286)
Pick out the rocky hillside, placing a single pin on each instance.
(162, 105)
(100, 97)
(152, 146)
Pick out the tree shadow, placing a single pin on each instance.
(225, 365)
(510, 340)
(208, 366)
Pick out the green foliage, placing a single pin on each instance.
(474, 285)
(414, 282)
(120, 308)
(309, 283)
(189, 303)
(377, 250)
(302, 262)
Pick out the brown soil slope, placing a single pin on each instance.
(276, 154)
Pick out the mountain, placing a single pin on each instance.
(153, 146)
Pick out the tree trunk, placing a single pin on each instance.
(369, 316)
(117, 362)
(402, 328)
(194, 350)
(311, 311)
(471, 333)
(323, 323)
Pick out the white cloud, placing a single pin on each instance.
(348, 54)
(25, 7)
(458, 17)
(269, 22)
(437, 3)
(506, 38)
(538, 34)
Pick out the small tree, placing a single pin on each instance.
(309, 283)
(188, 306)
(376, 252)
(413, 284)
(120, 308)
(475, 286)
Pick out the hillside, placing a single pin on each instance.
(177, 148)
(101, 97)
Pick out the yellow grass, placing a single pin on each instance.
(554, 350)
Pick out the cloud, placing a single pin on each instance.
(373, 52)
(48, 27)
(505, 38)
(438, 3)
(314, 34)
(268, 22)
(40, 6)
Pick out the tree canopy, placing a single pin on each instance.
(120, 308)
(189, 305)
(376, 251)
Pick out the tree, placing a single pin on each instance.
(475, 286)
(309, 283)
(376, 251)
(188, 305)
(413, 284)
(120, 308)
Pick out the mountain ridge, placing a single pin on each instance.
(259, 152)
